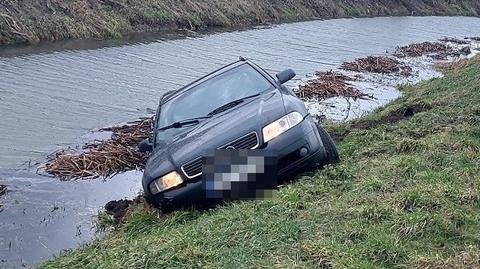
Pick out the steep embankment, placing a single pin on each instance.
(406, 195)
(31, 21)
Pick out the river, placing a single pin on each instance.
(52, 95)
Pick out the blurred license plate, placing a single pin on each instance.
(239, 174)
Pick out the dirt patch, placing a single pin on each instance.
(380, 65)
(103, 158)
(330, 84)
(454, 40)
(405, 112)
(394, 116)
(391, 118)
(119, 208)
(338, 135)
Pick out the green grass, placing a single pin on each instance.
(406, 195)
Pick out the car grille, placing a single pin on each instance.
(249, 141)
(193, 168)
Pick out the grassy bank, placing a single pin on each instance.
(31, 21)
(406, 194)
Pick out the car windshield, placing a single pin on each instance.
(234, 84)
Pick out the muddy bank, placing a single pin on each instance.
(116, 211)
(49, 20)
(392, 117)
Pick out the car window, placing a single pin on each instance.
(198, 101)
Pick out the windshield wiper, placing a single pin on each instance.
(180, 124)
(231, 104)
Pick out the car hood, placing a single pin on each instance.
(252, 115)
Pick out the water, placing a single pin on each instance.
(52, 95)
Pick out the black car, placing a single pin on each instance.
(239, 106)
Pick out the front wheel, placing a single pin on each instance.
(329, 144)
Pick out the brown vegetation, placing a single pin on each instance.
(105, 158)
(330, 84)
(469, 258)
(420, 49)
(3, 189)
(31, 21)
(454, 40)
(474, 38)
(380, 64)
(435, 50)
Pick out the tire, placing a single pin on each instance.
(329, 144)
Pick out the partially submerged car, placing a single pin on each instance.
(239, 106)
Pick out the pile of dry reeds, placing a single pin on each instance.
(425, 48)
(3, 189)
(104, 158)
(379, 64)
(474, 38)
(454, 40)
(330, 84)
(132, 133)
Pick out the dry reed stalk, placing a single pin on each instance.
(425, 48)
(105, 158)
(330, 84)
(380, 64)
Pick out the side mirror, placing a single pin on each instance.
(285, 76)
(145, 146)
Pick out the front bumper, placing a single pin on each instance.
(287, 149)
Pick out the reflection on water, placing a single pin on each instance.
(42, 216)
(51, 97)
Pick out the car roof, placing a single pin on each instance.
(172, 94)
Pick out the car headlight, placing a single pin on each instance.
(281, 125)
(165, 182)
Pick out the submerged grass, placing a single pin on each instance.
(406, 195)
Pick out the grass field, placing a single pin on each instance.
(406, 195)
